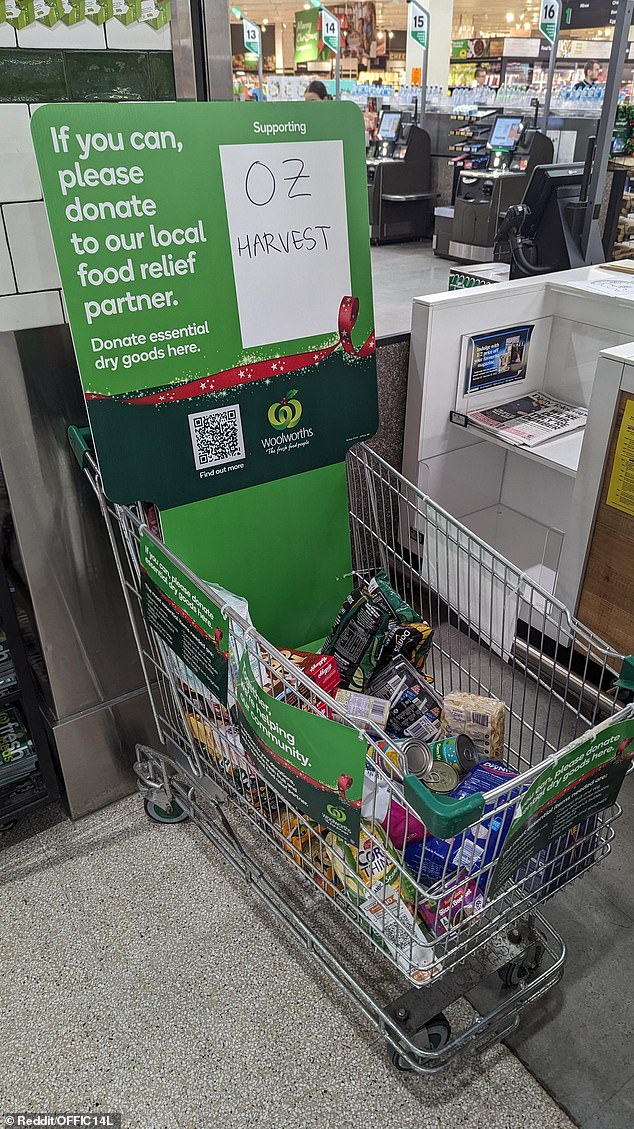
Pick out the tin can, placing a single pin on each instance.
(418, 756)
(460, 752)
(442, 777)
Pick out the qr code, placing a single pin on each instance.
(217, 436)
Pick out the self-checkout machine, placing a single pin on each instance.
(483, 195)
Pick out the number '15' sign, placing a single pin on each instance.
(418, 24)
(549, 19)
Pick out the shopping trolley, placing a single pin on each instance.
(439, 955)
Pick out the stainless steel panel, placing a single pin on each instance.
(217, 43)
(96, 752)
(183, 53)
(471, 251)
(78, 605)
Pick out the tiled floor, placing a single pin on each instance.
(400, 272)
(140, 976)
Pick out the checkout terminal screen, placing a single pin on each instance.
(505, 134)
(389, 126)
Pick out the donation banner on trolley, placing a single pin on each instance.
(216, 269)
(583, 782)
(316, 765)
(182, 614)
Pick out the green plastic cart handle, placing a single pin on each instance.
(626, 678)
(80, 441)
(443, 816)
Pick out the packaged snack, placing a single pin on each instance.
(356, 639)
(297, 836)
(482, 719)
(451, 910)
(380, 588)
(415, 708)
(364, 710)
(321, 669)
(410, 640)
(402, 825)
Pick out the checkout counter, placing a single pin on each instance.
(484, 195)
(542, 506)
(399, 178)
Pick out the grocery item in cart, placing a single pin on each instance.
(356, 638)
(442, 778)
(376, 794)
(482, 719)
(321, 669)
(564, 858)
(415, 707)
(296, 834)
(365, 710)
(380, 589)
(360, 868)
(392, 921)
(450, 910)
(460, 752)
(402, 825)
(17, 752)
(410, 640)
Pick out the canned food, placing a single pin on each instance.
(442, 777)
(418, 757)
(460, 752)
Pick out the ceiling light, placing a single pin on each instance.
(264, 22)
(510, 17)
(527, 25)
(390, 35)
(379, 35)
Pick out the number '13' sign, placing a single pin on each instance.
(549, 19)
(252, 37)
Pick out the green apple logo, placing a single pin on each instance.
(286, 413)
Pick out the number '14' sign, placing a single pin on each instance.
(418, 24)
(549, 19)
(330, 30)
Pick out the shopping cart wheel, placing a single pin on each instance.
(515, 971)
(432, 1037)
(161, 815)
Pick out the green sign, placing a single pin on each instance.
(550, 12)
(216, 269)
(316, 765)
(252, 37)
(307, 36)
(418, 24)
(584, 781)
(183, 616)
(330, 31)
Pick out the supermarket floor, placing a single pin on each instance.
(401, 271)
(139, 976)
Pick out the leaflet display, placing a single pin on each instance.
(497, 358)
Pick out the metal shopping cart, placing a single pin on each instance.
(442, 955)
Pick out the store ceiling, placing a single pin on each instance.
(471, 17)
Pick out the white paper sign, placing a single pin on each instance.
(286, 210)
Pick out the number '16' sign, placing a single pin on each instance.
(549, 19)
(418, 24)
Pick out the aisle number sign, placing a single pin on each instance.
(549, 19)
(330, 30)
(418, 24)
(215, 263)
(252, 37)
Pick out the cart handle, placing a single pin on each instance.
(443, 816)
(80, 440)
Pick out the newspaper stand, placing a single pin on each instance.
(557, 680)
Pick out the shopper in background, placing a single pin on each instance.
(591, 73)
(480, 77)
(316, 92)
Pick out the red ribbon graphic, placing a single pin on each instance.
(259, 370)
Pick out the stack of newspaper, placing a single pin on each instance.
(7, 670)
(17, 753)
(530, 420)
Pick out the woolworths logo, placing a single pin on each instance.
(284, 417)
(287, 412)
(337, 813)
